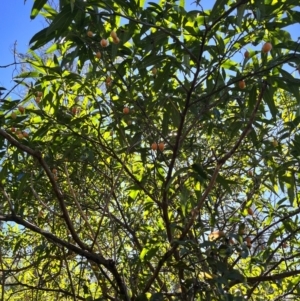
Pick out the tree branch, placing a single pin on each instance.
(37, 155)
(212, 181)
(274, 277)
(98, 259)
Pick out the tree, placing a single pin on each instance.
(154, 154)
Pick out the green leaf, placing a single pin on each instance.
(37, 6)
(61, 21)
(268, 97)
(240, 14)
(41, 38)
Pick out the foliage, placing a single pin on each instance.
(153, 172)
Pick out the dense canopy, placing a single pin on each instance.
(153, 153)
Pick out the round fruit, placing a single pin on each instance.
(250, 211)
(108, 81)
(104, 43)
(38, 99)
(250, 173)
(13, 129)
(275, 143)
(13, 115)
(21, 109)
(113, 34)
(246, 54)
(116, 40)
(74, 110)
(20, 136)
(154, 71)
(98, 55)
(39, 94)
(284, 245)
(215, 235)
(161, 146)
(40, 214)
(90, 34)
(126, 110)
(25, 134)
(266, 47)
(248, 240)
(154, 146)
(242, 84)
(54, 170)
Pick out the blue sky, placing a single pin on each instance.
(16, 27)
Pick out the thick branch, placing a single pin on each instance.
(89, 255)
(196, 210)
(46, 289)
(37, 155)
(96, 258)
(274, 277)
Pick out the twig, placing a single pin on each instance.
(58, 193)
(93, 237)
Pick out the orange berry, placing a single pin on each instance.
(154, 71)
(154, 146)
(40, 214)
(13, 129)
(126, 110)
(38, 99)
(98, 55)
(54, 170)
(266, 47)
(104, 43)
(21, 109)
(161, 146)
(25, 134)
(246, 54)
(13, 115)
(108, 80)
(250, 211)
(113, 34)
(242, 84)
(39, 94)
(75, 110)
(215, 235)
(90, 33)
(116, 40)
(20, 136)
